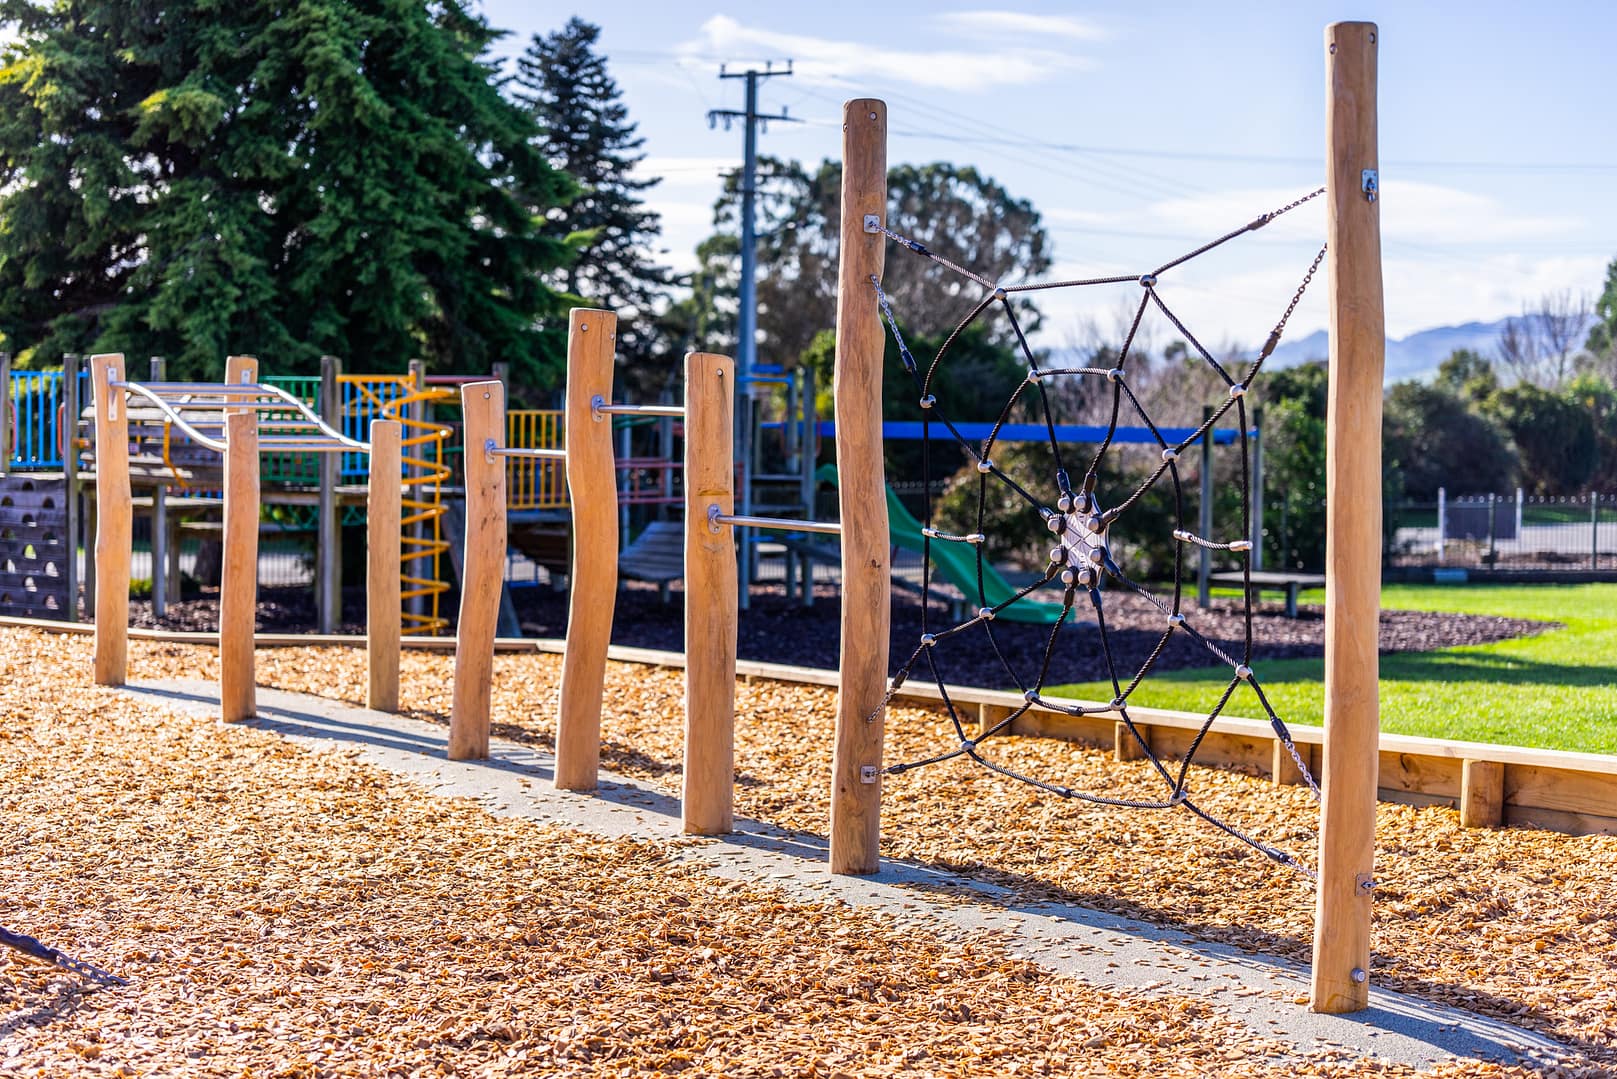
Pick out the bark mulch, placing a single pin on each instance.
(1513, 923)
(776, 631)
(294, 913)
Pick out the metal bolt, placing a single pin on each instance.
(1358, 975)
(867, 773)
(583, 327)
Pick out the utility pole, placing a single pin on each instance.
(747, 330)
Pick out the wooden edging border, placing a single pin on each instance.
(1491, 785)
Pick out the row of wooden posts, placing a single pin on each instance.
(1341, 956)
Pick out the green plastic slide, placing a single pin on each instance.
(956, 563)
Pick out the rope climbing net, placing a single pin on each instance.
(1081, 561)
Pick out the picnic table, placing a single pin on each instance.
(1267, 581)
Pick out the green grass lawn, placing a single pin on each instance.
(1557, 690)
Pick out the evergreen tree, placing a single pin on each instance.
(191, 178)
(564, 82)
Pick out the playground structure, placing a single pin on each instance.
(709, 565)
(1349, 756)
(239, 419)
(49, 443)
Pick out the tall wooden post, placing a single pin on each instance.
(1353, 523)
(483, 409)
(114, 513)
(593, 492)
(856, 760)
(710, 597)
(382, 510)
(328, 539)
(238, 581)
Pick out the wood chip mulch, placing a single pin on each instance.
(292, 913)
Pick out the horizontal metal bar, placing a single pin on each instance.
(163, 389)
(519, 451)
(783, 524)
(676, 411)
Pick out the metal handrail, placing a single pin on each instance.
(717, 517)
(163, 394)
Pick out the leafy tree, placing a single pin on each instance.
(1468, 374)
(1598, 397)
(1603, 334)
(1554, 435)
(955, 211)
(1433, 439)
(1293, 400)
(191, 178)
(563, 81)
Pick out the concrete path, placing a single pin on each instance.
(1099, 948)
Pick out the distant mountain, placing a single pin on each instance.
(1415, 356)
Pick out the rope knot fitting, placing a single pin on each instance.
(985, 466)
(1243, 672)
(1238, 390)
(928, 401)
(1170, 454)
(1176, 619)
(1115, 375)
(999, 292)
(1148, 280)
(985, 613)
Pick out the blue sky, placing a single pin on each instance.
(1141, 129)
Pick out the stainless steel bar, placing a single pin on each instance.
(517, 451)
(677, 411)
(783, 524)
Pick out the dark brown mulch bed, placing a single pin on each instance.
(773, 630)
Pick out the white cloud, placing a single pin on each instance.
(1411, 211)
(1021, 24)
(820, 60)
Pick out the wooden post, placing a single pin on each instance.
(1283, 770)
(114, 513)
(382, 511)
(1482, 794)
(710, 597)
(238, 582)
(328, 539)
(483, 407)
(1341, 980)
(1126, 747)
(856, 760)
(592, 489)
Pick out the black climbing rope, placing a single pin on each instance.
(1081, 559)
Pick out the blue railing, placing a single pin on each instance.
(35, 401)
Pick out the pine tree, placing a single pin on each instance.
(190, 178)
(587, 134)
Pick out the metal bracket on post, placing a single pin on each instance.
(1370, 184)
(872, 223)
